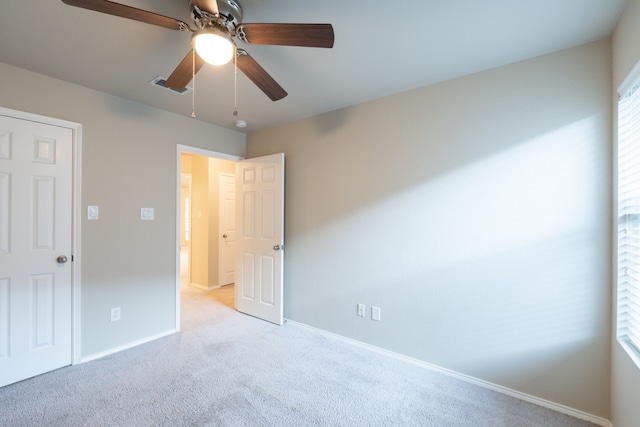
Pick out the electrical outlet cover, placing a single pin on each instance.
(147, 214)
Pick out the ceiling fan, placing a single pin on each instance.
(217, 25)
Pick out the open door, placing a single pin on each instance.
(260, 214)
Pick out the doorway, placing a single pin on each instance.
(200, 242)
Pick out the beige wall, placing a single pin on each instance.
(474, 213)
(186, 163)
(185, 193)
(625, 386)
(128, 162)
(200, 206)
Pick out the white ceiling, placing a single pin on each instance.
(381, 48)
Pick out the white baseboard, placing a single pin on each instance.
(203, 287)
(126, 346)
(476, 381)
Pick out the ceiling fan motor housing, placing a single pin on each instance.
(229, 14)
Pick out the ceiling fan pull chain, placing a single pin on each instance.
(193, 92)
(235, 86)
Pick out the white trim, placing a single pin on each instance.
(631, 78)
(23, 115)
(77, 250)
(180, 148)
(76, 214)
(630, 349)
(466, 378)
(204, 287)
(126, 346)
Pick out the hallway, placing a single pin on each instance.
(224, 295)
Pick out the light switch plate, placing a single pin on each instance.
(92, 212)
(146, 214)
(375, 313)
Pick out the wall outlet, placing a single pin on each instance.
(147, 214)
(361, 310)
(115, 314)
(375, 313)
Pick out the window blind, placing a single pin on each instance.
(628, 318)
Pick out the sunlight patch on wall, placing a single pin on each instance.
(516, 239)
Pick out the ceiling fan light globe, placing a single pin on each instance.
(214, 47)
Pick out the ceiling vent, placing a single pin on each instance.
(160, 81)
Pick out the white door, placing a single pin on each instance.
(260, 193)
(227, 228)
(35, 248)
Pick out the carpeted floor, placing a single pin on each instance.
(228, 369)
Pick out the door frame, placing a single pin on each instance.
(182, 220)
(187, 149)
(76, 215)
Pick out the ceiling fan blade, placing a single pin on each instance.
(259, 76)
(184, 72)
(129, 12)
(307, 35)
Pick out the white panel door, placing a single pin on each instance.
(260, 203)
(35, 229)
(227, 228)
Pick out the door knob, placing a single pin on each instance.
(224, 236)
(278, 247)
(61, 259)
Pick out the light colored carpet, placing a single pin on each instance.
(228, 369)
